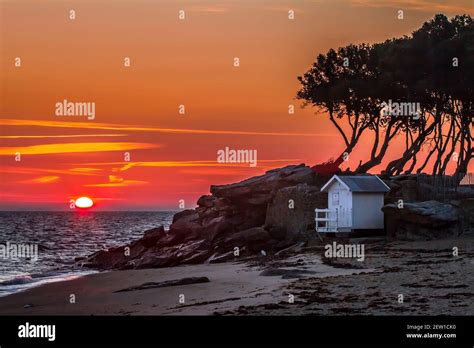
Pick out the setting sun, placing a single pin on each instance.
(84, 202)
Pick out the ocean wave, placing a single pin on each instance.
(62, 237)
(21, 279)
(24, 282)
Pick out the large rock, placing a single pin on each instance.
(118, 257)
(216, 227)
(290, 214)
(422, 221)
(195, 251)
(259, 190)
(405, 187)
(189, 252)
(182, 214)
(187, 226)
(207, 201)
(113, 258)
(237, 207)
(255, 239)
(152, 236)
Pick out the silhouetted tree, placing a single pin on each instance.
(434, 68)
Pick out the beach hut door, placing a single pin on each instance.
(339, 202)
(334, 209)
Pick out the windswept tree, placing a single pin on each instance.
(335, 86)
(432, 69)
(439, 76)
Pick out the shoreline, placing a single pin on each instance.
(230, 286)
(20, 286)
(262, 286)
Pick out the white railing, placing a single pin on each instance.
(326, 220)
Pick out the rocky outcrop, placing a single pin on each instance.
(259, 190)
(233, 216)
(423, 187)
(268, 213)
(421, 221)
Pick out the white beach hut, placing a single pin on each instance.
(354, 203)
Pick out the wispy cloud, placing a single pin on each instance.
(59, 136)
(285, 9)
(211, 8)
(127, 165)
(33, 198)
(106, 199)
(40, 180)
(115, 127)
(74, 148)
(85, 170)
(32, 170)
(459, 6)
(117, 181)
(123, 183)
(214, 171)
(115, 178)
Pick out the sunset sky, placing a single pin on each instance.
(173, 62)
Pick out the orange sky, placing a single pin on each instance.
(173, 62)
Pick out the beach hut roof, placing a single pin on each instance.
(359, 183)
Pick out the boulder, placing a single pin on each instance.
(409, 190)
(254, 239)
(153, 258)
(207, 201)
(106, 259)
(291, 212)
(187, 226)
(182, 214)
(221, 207)
(422, 220)
(259, 190)
(404, 187)
(189, 252)
(169, 239)
(215, 227)
(235, 207)
(152, 236)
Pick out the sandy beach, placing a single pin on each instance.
(263, 286)
(230, 286)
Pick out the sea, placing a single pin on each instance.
(60, 238)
